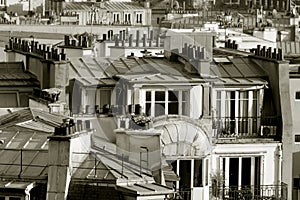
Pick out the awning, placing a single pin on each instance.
(240, 81)
(146, 189)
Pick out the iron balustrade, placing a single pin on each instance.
(263, 192)
(246, 127)
(184, 194)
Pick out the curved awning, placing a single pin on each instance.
(181, 138)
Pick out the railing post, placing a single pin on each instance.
(21, 163)
(95, 175)
(122, 164)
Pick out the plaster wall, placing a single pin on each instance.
(295, 104)
(270, 158)
(130, 145)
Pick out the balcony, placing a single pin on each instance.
(246, 127)
(263, 192)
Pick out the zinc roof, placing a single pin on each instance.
(13, 74)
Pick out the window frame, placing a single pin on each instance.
(152, 102)
(297, 95)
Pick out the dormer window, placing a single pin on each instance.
(166, 102)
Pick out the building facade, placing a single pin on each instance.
(209, 123)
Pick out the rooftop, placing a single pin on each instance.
(14, 74)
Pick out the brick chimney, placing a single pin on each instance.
(62, 157)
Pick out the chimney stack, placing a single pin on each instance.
(144, 40)
(130, 40)
(137, 38)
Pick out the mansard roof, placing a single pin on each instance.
(14, 74)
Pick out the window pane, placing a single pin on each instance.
(173, 108)
(198, 173)
(173, 95)
(159, 109)
(148, 95)
(184, 108)
(246, 171)
(105, 96)
(160, 96)
(185, 174)
(233, 172)
(297, 95)
(173, 102)
(148, 109)
(184, 95)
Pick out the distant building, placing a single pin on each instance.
(17, 85)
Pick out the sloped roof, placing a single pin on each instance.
(233, 68)
(108, 5)
(78, 6)
(102, 71)
(120, 6)
(13, 74)
(107, 166)
(31, 120)
(34, 163)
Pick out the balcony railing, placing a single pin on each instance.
(180, 194)
(263, 192)
(246, 127)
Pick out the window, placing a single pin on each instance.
(296, 183)
(297, 95)
(166, 102)
(103, 97)
(242, 171)
(198, 173)
(127, 18)
(138, 18)
(237, 111)
(232, 1)
(183, 169)
(297, 138)
(116, 17)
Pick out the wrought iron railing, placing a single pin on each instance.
(246, 127)
(180, 194)
(263, 192)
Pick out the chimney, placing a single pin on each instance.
(144, 40)
(137, 38)
(203, 67)
(274, 54)
(67, 40)
(130, 40)
(158, 41)
(116, 40)
(121, 35)
(124, 35)
(151, 38)
(62, 147)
